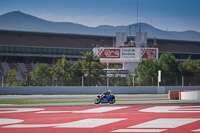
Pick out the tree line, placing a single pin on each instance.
(88, 71)
(62, 73)
(173, 72)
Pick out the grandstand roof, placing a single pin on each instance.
(42, 39)
(58, 40)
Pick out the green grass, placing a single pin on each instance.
(39, 102)
(145, 100)
(50, 101)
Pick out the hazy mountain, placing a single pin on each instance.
(17, 20)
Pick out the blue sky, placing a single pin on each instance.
(171, 15)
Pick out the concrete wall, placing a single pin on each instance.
(190, 95)
(92, 90)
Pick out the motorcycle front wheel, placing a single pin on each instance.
(112, 100)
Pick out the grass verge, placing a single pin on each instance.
(39, 102)
(50, 101)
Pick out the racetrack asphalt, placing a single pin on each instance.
(161, 118)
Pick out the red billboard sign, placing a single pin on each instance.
(148, 53)
(109, 53)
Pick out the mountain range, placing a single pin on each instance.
(20, 21)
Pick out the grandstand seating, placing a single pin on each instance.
(29, 67)
(22, 69)
(5, 66)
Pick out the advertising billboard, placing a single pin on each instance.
(126, 53)
(148, 53)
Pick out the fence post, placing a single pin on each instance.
(159, 77)
(182, 80)
(107, 81)
(82, 81)
(2, 81)
(152, 81)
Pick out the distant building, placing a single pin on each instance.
(21, 49)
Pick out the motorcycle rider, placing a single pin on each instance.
(103, 95)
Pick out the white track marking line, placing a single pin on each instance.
(170, 109)
(197, 130)
(165, 123)
(94, 110)
(100, 109)
(17, 110)
(53, 112)
(139, 130)
(88, 123)
(10, 121)
(190, 106)
(29, 125)
(85, 123)
(188, 109)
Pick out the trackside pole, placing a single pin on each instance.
(159, 77)
(107, 81)
(82, 81)
(2, 82)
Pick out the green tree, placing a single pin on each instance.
(117, 80)
(169, 69)
(11, 78)
(187, 67)
(190, 70)
(62, 71)
(146, 72)
(129, 79)
(41, 76)
(91, 68)
(197, 68)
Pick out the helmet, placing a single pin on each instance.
(109, 91)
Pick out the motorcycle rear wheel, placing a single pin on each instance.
(97, 100)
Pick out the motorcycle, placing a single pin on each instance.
(107, 99)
